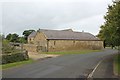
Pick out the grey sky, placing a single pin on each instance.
(79, 15)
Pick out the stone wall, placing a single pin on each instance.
(39, 39)
(30, 40)
(61, 45)
(39, 43)
(30, 47)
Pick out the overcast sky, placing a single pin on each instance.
(19, 15)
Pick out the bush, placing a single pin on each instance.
(14, 57)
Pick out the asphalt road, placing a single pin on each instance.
(105, 68)
(67, 66)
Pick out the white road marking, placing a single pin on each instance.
(91, 74)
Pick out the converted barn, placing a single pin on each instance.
(60, 40)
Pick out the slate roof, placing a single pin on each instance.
(65, 35)
(33, 34)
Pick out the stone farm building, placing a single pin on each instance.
(61, 40)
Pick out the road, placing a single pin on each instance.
(105, 68)
(66, 66)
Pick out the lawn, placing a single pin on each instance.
(72, 52)
(117, 64)
(5, 66)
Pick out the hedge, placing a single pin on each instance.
(14, 57)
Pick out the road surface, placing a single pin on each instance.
(105, 68)
(66, 66)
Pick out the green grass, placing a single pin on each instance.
(10, 65)
(117, 64)
(72, 52)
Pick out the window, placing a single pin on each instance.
(30, 39)
(54, 42)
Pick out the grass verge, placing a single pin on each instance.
(72, 52)
(117, 65)
(10, 65)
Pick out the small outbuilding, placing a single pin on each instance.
(60, 40)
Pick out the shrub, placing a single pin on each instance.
(10, 58)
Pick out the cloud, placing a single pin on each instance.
(52, 14)
(86, 24)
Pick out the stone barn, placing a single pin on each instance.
(61, 40)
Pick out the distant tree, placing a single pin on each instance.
(26, 33)
(12, 37)
(110, 31)
(9, 37)
(22, 40)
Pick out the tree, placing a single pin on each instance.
(22, 40)
(110, 31)
(12, 37)
(26, 33)
(8, 37)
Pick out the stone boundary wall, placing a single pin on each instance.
(30, 47)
